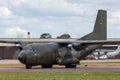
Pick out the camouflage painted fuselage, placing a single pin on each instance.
(53, 53)
(40, 53)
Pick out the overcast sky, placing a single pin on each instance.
(75, 17)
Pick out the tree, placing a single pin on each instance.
(64, 36)
(45, 36)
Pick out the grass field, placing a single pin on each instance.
(60, 76)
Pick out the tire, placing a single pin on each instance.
(28, 66)
(46, 66)
(70, 66)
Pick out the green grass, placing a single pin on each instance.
(59, 76)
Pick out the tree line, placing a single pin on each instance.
(48, 36)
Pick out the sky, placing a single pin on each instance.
(74, 17)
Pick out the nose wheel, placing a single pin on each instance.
(28, 66)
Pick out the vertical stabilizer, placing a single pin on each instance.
(118, 48)
(100, 28)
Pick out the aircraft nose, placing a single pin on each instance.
(22, 58)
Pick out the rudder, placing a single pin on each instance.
(100, 28)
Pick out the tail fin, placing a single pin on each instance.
(100, 28)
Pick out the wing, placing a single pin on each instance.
(63, 42)
(103, 42)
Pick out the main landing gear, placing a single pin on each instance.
(43, 66)
(50, 66)
(46, 66)
(70, 66)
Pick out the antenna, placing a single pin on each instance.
(28, 33)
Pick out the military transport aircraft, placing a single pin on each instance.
(68, 53)
(109, 55)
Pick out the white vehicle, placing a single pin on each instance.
(110, 55)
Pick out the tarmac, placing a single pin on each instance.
(60, 68)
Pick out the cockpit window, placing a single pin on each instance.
(32, 49)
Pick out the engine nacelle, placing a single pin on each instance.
(78, 46)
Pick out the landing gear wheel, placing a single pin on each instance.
(28, 66)
(46, 66)
(70, 66)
